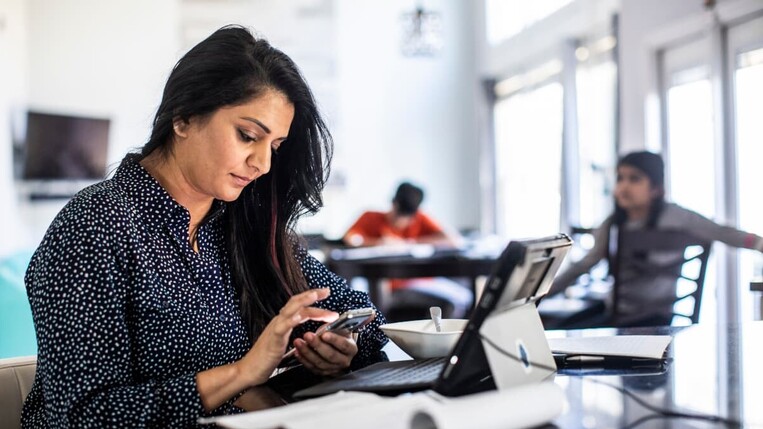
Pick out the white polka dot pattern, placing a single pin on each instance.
(126, 312)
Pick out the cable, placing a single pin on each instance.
(663, 412)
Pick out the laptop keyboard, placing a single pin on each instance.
(384, 376)
(419, 372)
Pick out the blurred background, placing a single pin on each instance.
(510, 114)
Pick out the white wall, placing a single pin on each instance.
(13, 87)
(88, 57)
(393, 117)
(402, 117)
(107, 59)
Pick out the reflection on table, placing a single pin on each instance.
(711, 371)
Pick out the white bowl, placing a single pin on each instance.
(419, 338)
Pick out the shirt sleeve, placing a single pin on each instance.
(576, 269)
(78, 295)
(706, 229)
(429, 226)
(371, 339)
(364, 226)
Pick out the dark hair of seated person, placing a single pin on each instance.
(408, 198)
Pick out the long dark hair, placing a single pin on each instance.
(229, 68)
(652, 165)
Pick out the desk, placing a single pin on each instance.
(714, 370)
(705, 375)
(397, 267)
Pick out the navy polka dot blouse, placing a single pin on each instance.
(127, 313)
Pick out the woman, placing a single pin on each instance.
(161, 294)
(640, 205)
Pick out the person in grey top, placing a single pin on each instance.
(640, 205)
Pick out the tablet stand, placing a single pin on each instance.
(516, 347)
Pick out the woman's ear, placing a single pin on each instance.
(180, 127)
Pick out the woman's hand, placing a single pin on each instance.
(327, 354)
(257, 365)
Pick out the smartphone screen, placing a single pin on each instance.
(351, 320)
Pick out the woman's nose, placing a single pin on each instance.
(260, 158)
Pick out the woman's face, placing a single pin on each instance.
(221, 154)
(634, 190)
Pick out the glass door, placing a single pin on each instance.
(596, 97)
(745, 65)
(690, 147)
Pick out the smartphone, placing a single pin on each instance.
(350, 320)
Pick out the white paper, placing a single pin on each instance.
(637, 346)
(519, 407)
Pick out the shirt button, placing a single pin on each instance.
(223, 318)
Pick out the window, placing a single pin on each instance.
(690, 146)
(745, 65)
(749, 129)
(528, 137)
(596, 88)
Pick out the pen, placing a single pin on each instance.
(608, 361)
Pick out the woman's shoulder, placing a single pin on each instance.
(102, 204)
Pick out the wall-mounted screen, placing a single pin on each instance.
(61, 147)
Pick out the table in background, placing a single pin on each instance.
(440, 264)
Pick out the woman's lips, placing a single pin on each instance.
(241, 180)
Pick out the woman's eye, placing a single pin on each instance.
(246, 137)
(277, 145)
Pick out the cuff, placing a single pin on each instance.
(759, 244)
(181, 401)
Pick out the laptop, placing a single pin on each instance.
(502, 345)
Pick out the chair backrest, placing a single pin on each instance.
(16, 378)
(688, 267)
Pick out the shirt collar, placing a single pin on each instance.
(154, 204)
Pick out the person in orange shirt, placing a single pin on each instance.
(405, 223)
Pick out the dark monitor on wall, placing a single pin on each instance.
(62, 147)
